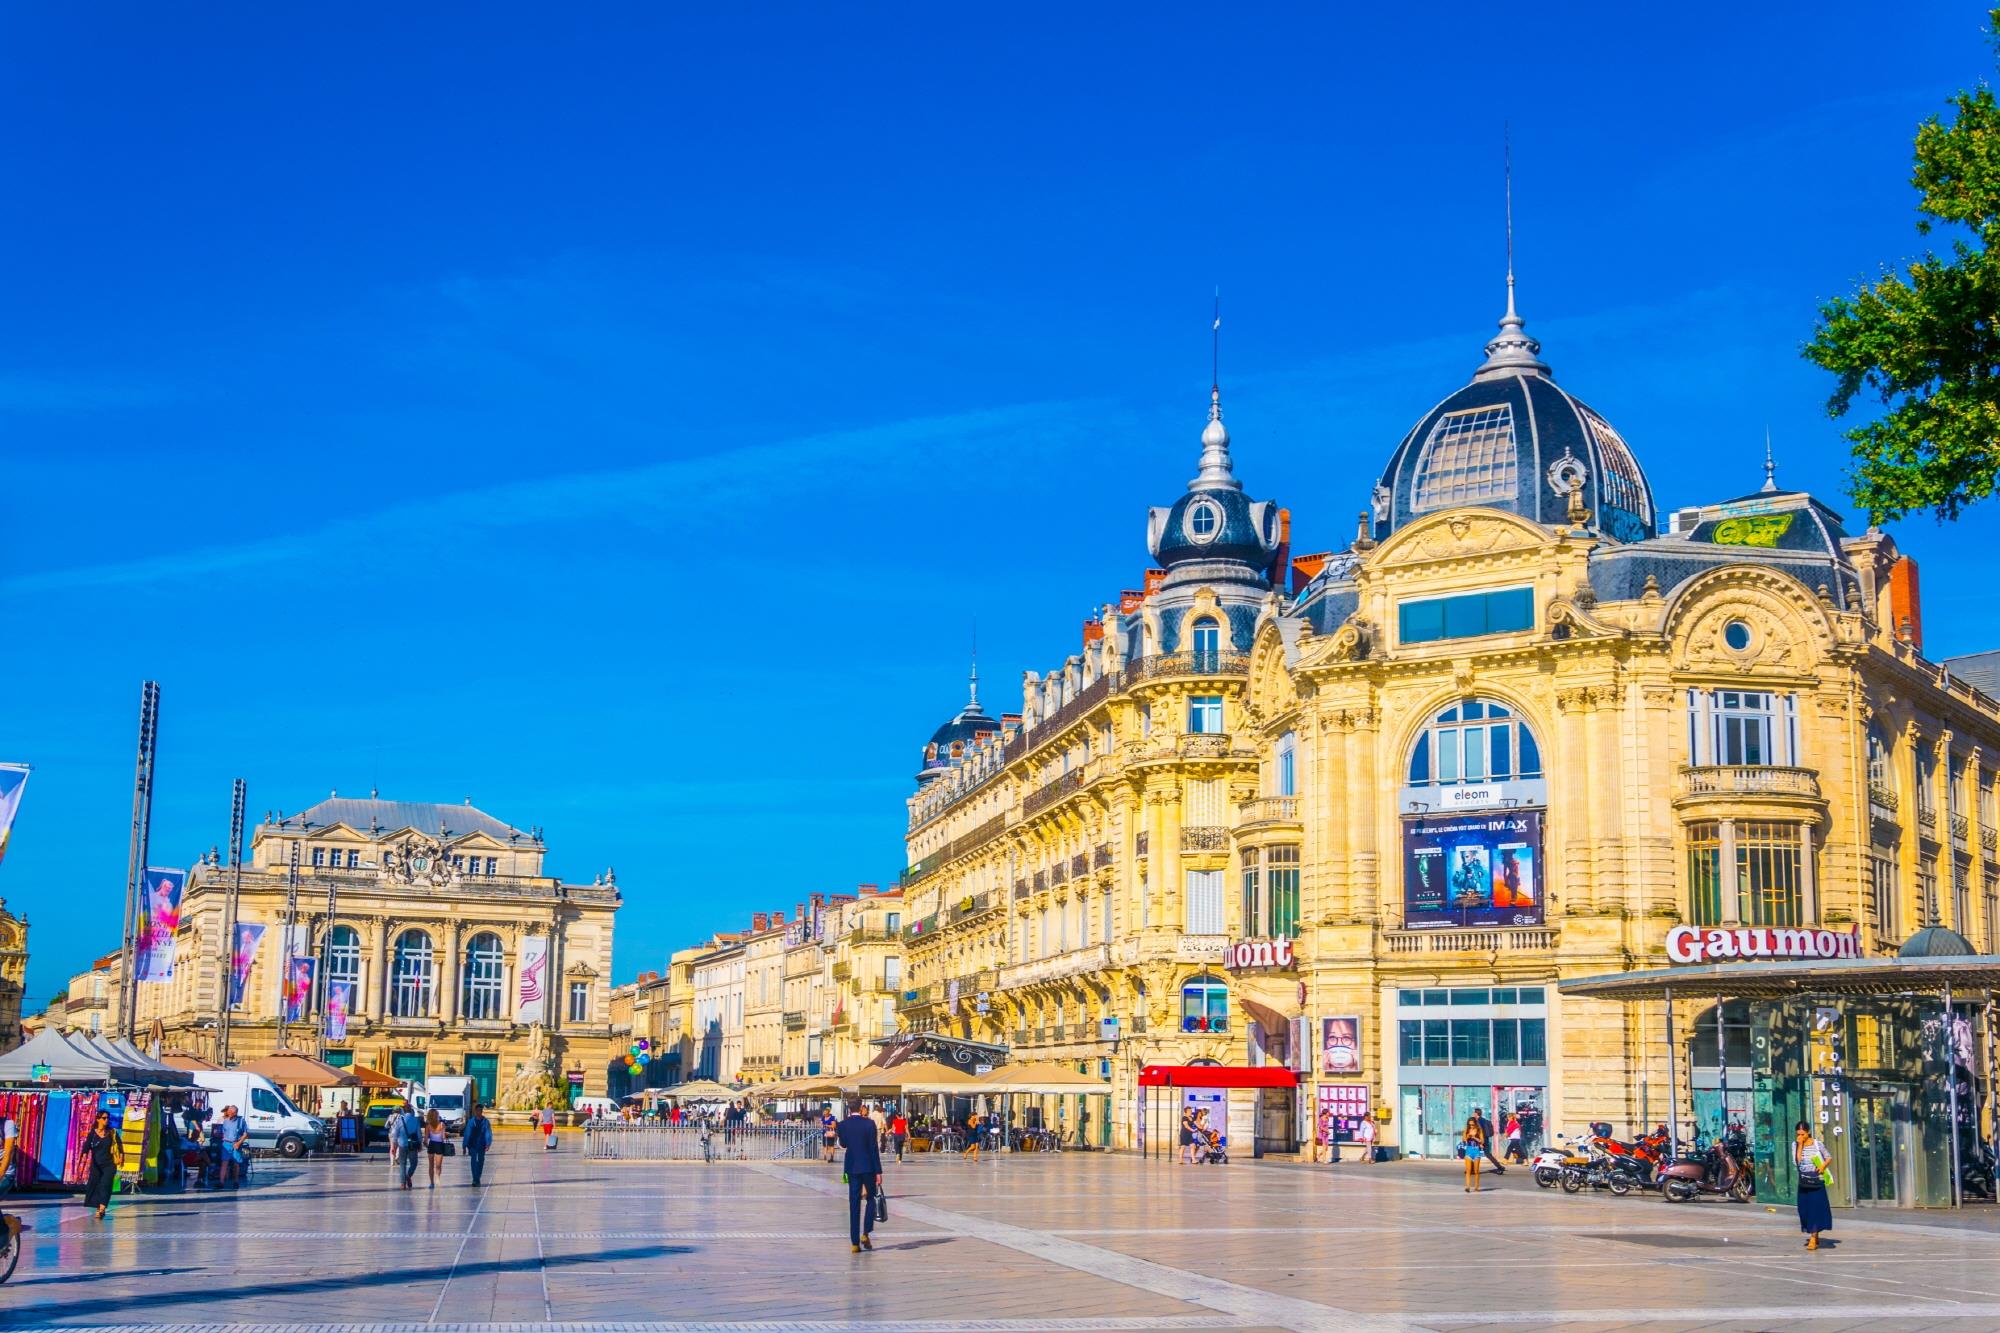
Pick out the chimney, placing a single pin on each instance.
(1305, 568)
(777, 920)
(760, 921)
(1906, 610)
(868, 890)
(1154, 578)
(1093, 630)
(1129, 600)
(1010, 719)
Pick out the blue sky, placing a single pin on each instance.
(622, 423)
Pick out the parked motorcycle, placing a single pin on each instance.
(1640, 1158)
(1600, 1171)
(1717, 1168)
(1548, 1164)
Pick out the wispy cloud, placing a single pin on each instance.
(746, 473)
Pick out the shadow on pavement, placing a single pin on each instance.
(213, 1297)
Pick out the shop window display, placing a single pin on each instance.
(1205, 1005)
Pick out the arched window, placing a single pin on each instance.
(343, 962)
(484, 977)
(1206, 640)
(412, 988)
(1478, 740)
(1205, 1004)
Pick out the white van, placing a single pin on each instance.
(451, 1096)
(275, 1124)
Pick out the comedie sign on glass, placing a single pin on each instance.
(1473, 870)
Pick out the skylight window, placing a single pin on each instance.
(1469, 457)
(1622, 486)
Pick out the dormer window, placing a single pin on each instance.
(1204, 521)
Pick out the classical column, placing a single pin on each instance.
(455, 945)
(380, 958)
(1729, 882)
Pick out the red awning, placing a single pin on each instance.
(1216, 1076)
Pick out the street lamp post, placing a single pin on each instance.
(232, 901)
(140, 849)
(285, 946)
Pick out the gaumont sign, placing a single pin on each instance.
(1245, 955)
(1697, 944)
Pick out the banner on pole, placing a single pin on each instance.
(242, 953)
(339, 999)
(159, 917)
(298, 987)
(13, 778)
(531, 1001)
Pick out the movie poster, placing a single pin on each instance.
(242, 953)
(339, 1000)
(159, 917)
(1340, 1045)
(298, 987)
(531, 998)
(1473, 870)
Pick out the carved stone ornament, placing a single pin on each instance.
(420, 862)
(1350, 641)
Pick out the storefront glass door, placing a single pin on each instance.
(1878, 1117)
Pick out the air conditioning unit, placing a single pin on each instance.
(1683, 520)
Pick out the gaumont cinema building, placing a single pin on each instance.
(1341, 827)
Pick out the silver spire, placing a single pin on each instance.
(1513, 352)
(972, 704)
(1770, 466)
(1216, 471)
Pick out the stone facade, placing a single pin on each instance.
(1512, 734)
(428, 912)
(13, 975)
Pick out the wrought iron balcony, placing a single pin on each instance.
(1101, 857)
(1927, 820)
(1961, 829)
(1986, 840)
(1166, 666)
(843, 969)
(1140, 843)
(1883, 802)
(1058, 873)
(1079, 865)
(1049, 793)
(1202, 838)
(1020, 888)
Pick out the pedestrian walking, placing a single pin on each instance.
(899, 1132)
(1809, 1156)
(548, 1125)
(477, 1138)
(105, 1154)
(1187, 1136)
(1364, 1135)
(434, 1143)
(10, 1145)
(859, 1136)
(972, 1134)
(1472, 1147)
(233, 1135)
(1512, 1138)
(406, 1136)
(1486, 1142)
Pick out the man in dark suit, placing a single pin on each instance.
(858, 1134)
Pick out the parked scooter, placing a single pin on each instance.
(1600, 1171)
(1975, 1170)
(1717, 1168)
(1548, 1164)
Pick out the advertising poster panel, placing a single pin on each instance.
(531, 1000)
(159, 917)
(1340, 1045)
(1341, 1107)
(339, 999)
(1473, 870)
(298, 987)
(242, 953)
(1215, 1103)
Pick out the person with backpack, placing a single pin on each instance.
(406, 1143)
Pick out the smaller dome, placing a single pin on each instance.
(962, 732)
(1936, 942)
(1215, 524)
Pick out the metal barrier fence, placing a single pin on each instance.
(622, 1142)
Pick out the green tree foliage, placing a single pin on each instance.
(1927, 342)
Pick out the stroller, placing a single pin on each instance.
(1208, 1146)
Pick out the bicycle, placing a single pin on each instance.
(11, 1228)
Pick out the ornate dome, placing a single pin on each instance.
(1936, 942)
(1215, 524)
(949, 743)
(1512, 439)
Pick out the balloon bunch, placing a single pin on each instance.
(639, 1056)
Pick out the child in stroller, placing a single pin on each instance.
(1208, 1141)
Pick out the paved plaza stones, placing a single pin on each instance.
(1013, 1245)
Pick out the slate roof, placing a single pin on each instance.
(364, 813)
(1979, 670)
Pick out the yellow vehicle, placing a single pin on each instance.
(375, 1118)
